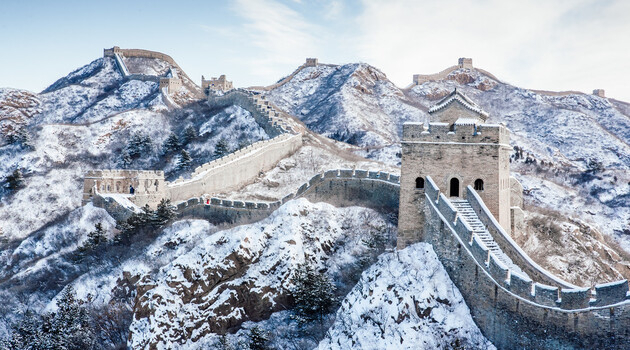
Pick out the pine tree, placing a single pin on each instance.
(185, 160)
(190, 134)
(171, 144)
(15, 180)
(313, 293)
(164, 213)
(221, 148)
(224, 343)
(258, 339)
(95, 239)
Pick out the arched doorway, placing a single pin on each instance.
(454, 187)
(419, 182)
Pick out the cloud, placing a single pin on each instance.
(536, 44)
(281, 36)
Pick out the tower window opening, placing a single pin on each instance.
(419, 182)
(454, 188)
(479, 185)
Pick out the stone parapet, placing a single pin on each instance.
(515, 312)
(458, 133)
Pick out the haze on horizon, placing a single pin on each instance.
(550, 45)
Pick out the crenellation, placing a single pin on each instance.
(287, 198)
(611, 293)
(498, 270)
(463, 230)
(479, 250)
(521, 285)
(446, 208)
(345, 173)
(575, 298)
(545, 295)
(331, 173)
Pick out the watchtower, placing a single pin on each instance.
(456, 149)
(217, 84)
(464, 62)
(311, 62)
(599, 92)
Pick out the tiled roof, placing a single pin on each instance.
(461, 98)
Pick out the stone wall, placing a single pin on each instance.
(116, 53)
(423, 78)
(515, 312)
(377, 190)
(229, 172)
(342, 188)
(236, 169)
(149, 185)
(467, 153)
(220, 83)
(263, 112)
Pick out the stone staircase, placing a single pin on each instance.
(467, 213)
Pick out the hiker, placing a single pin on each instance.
(131, 189)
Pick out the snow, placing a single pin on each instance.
(404, 301)
(250, 262)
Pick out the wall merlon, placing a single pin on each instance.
(226, 203)
(302, 189)
(239, 204)
(498, 270)
(545, 295)
(287, 198)
(262, 206)
(331, 173)
(479, 250)
(611, 293)
(464, 231)
(576, 298)
(345, 172)
(215, 201)
(446, 208)
(315, 180)
(521, 285)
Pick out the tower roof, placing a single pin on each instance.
(463, 100)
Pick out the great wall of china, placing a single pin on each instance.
(512, 309)
(515, 302)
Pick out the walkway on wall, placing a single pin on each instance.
(467, 213)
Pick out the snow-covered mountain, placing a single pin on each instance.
(356, 103)
(186, 284)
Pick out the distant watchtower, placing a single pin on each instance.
(216, 84)
(311, 62)
(599, 92)
(457, 149)
(464, 62)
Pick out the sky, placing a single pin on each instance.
(549, 44)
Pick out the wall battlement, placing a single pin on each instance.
(216, 84)
(229, 172)
(462, 63)
(341, 187)
(263, 112)
(116, 53)
(458, 132)
(511, 309)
